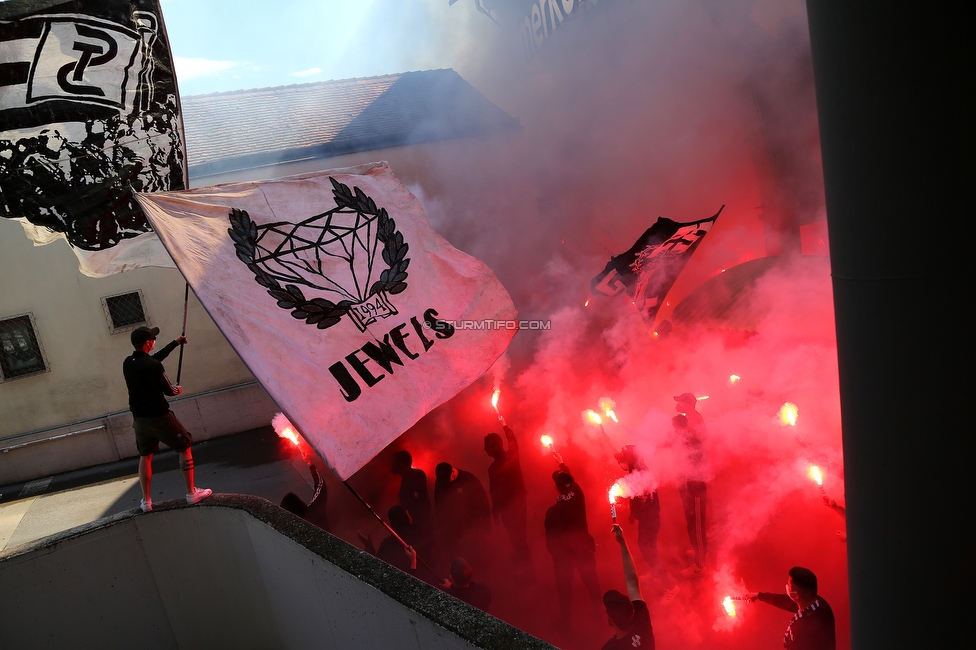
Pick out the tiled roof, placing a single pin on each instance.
(249, 128)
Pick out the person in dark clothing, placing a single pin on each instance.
(463, 588)
(391, 550)
(314, 512)
(812, 625)
(570, 544)
(413, 493)
(463, 514)
(415, 498)
(689, 433)
(152, 420)
(628, 614)
(508, 498)
(645, 509)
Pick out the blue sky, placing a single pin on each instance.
(224, 45)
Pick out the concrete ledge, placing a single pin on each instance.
(232, 571)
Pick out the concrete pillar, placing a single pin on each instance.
(889, 90)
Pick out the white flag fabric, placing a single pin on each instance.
(354, 315)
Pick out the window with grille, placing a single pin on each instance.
(125, 311)
(20, 351)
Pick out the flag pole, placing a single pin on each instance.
(387, 526)
(186, 303)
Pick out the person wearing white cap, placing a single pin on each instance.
(152, 420)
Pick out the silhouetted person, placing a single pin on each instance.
(314, 512)
(152, 420)
(645, 509)
(392, 551)
(812, 625)
(416, 499)
(628, 615)
(570, 544)
(463, 588)
(463, 514)
(693, 490)
(508, 499)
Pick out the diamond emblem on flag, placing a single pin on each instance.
(334, 253)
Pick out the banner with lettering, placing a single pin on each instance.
(354, 315)
(648, 269)
(89, 113)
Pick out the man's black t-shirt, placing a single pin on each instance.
(146, 380)
(810, 629)
(640, 635)
(415, 497)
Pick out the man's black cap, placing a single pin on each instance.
(142, 334)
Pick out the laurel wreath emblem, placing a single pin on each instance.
(321, 312)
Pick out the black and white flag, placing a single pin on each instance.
(647, 270)
(89, 113)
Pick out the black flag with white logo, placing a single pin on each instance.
(647, 270)
(89, 112)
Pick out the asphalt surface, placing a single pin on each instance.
(254, 462)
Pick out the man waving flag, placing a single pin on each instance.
(354, 315)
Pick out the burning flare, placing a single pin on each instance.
(615, 491)
(593, 416)
(734, 378)
(607, 405)
(788, 414)
(729, 606)
(816, 474)
(546, 441)
(494, 399)
(285, 429)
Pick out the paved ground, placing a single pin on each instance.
(254, 462)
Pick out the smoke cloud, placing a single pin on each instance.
(634, 110)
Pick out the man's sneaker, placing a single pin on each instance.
(669, 595)
(198, 495)
(145, 505)
(694, 571)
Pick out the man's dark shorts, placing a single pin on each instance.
(165, 429)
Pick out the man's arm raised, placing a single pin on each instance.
(630, 571)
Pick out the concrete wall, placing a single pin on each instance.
(84, 359)
(110, 438)
(232, 572)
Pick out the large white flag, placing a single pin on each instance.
(353, 314)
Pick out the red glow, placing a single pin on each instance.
(290, 434)
(615, 491)
(607, 405)
(788, 414)
(729, 606)
(816, 474)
